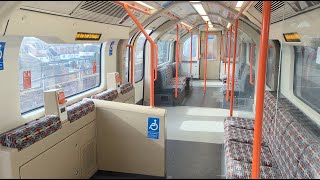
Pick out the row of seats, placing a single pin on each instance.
(112, 94)
(288, 149)
(165, 84)
(38, 129)
(241, 83)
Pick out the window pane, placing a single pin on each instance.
(212, 47)
(270, 65)
(164, 49)
(186, 47)
(307, 75)
(138, 60)
(73, 67)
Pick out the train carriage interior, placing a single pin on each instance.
(159, 89)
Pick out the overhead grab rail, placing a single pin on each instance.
(234, 66)
(131, 62)
(133, 7)
(264, 36)
(251, 63)
(152, 47)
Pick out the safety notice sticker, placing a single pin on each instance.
(2, 45)
(153, 128)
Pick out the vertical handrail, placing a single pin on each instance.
(225, 57)
(251, 63)
(177, 63)
(157, 62)
(199, 38)
(264, 36)
(131, 62)
(234, 66)
(191, 53)
(228, 77)
(152, 47)
(221, 45)
(206, 60)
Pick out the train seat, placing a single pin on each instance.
(291, 151)
(80, 109)
(125, 88)
(30, 133)
(108, 95)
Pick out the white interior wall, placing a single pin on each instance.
(60, 30)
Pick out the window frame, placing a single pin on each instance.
(168, 55)
(195, 49)
(68, 97)
(294, 88)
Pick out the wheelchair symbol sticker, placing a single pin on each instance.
(153, 128)
(2, 45)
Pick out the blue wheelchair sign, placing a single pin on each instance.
(2, 45)
(153, 128)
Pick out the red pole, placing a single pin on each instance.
(264, 36)
(251, 58)
(227, 96)
(234, 66)
(225, 58)
(191, 53)
(177, 62)
(152, 46)
(132, 62)
(199, 37)
(206, 61)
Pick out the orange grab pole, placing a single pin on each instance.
(133, 7)
(228, 77)
(152, 44)
(177, 63)
(225, 58)
(199, 37)
(206, 60)
(264, 36)
(157, 62)
(191, 53)
(131, 62)
(221, 45)
(234, 65)
(251, 58)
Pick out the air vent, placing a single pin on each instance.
(104, 7)
(275, 5)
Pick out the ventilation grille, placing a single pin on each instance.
(275, 5)
(101, 11)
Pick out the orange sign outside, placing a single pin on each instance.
(26, 79)
(94, 67)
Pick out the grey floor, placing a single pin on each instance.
(187, 156)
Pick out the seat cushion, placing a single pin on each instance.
(30, 133)
(293, 143)
(108, 95)
(242, 170)
(80, 109)
(241, 135)
(239, 122)
(125, 88)
(243, 152)
(309, 164)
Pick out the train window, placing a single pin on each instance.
(270, 65)
(73, 67)
(186, 47)
(212, 47)
(163, 51)
(307, 75)
(138, 59)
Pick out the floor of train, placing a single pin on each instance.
(195, 135)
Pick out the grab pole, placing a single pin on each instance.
(228, 77)
(234, 66)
